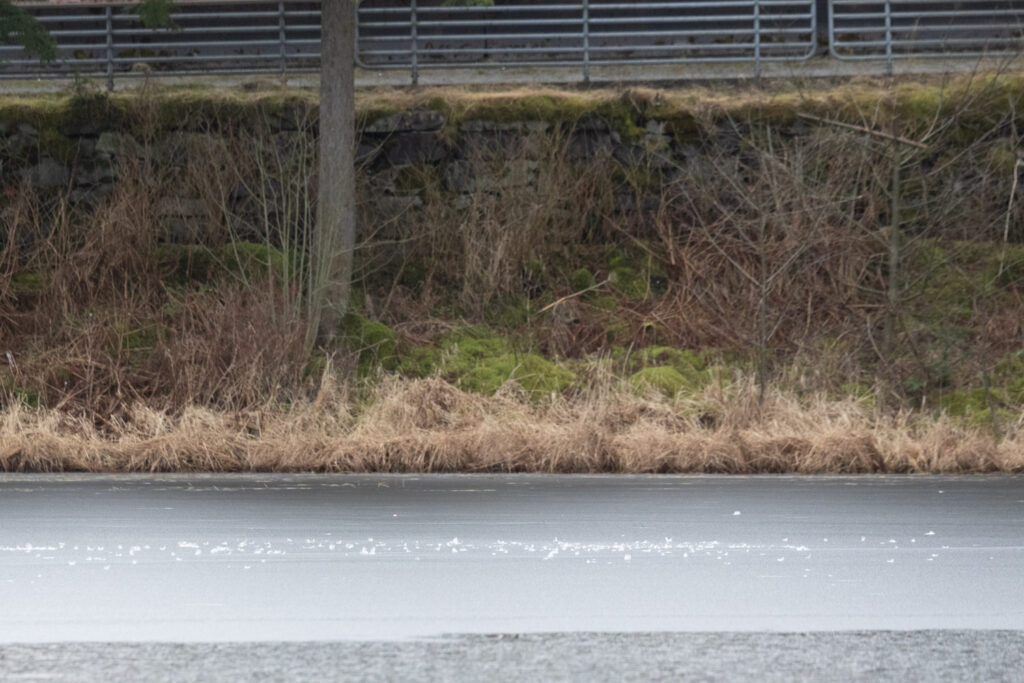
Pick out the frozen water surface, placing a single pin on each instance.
(368, 557)
(873, 656)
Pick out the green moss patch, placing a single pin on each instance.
(582, 279)
(1009, 374)
(252, 260)
(478, 360)
(671, 370)
(532, 372)
(951, 276)
(27, 283)
(667, 380)
(604, 303)
(374, 342)
(979, 408)
(419, 361)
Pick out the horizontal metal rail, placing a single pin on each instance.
(254, 36)
(585, 33)
(283, 36)
(920, 29)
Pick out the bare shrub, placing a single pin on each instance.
(766, 244)
(111, 316)
(510, 203)
(227, 349)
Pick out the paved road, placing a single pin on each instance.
(307, 558)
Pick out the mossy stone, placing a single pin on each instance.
(682, 125)
(687, 366)
(665, 379)
(375, 342)
(581, 279)
(56, 145)
(678, 358)
(604, 303)
(252, 260)
(533, 373)
(419, 362)
(416, 178)
(628, 281)
(473, 343)
(624, 275)
(477, 360)
(89, 113)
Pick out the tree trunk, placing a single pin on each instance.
(892, 298)
(762, 317)
(335, 240)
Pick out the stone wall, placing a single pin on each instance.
(83, 158)
(78, 145)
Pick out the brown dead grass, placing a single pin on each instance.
(430, 426)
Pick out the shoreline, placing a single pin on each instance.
(422, 426)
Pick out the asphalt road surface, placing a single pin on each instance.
(478, 568)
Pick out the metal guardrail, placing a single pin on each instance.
(227, 37)
(893, 30)
(426, 33)
(283, 36)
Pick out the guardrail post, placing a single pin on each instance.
(109, 15)
(414, 35)
(757, 38)
(283, 38)
(586, 41)
(888, 37)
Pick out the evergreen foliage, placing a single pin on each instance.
(18, 27)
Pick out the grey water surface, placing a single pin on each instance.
(269, 558)
(869, 656)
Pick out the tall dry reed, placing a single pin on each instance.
(430, 426)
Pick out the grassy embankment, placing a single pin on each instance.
(732, 298)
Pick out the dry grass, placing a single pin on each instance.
(430, 426)
(728, 97)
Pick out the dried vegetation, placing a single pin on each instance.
(749, 292)
(430, 426)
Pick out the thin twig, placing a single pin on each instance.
(863, 129)
(574, 295)
(1009, 214)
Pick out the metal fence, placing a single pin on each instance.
(925, 29)
(225, 37)
(583, 33)
(259, 36)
